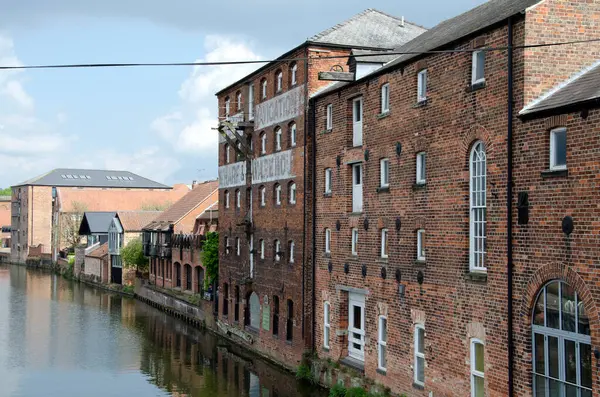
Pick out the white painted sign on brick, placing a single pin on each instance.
(281, 108)
(272, 167)
(231, 175)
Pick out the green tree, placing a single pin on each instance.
(6, 192)
(133, 256)
(210, 257)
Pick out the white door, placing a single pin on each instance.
(357, 110)
(357, 191)
(251, 255)
(356, 326)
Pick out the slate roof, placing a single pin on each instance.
(370, 28)
(93, 178)
(186, 204)
(134, 221)
(448, 32)
(584, 87)
(99, 252)
(96, 222)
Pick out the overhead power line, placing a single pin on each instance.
(299, 59)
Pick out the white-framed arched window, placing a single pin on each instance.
(477, 368)
(277, 139)
(477, 204)
(561, 343)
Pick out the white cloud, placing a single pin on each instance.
(150, 162)
(189, 128)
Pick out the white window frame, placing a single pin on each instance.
(226, 244)
(477, 207)
(357, 122)
(354, 241)
(278, 194)
(264, 89)
(381, 344)
(262, 249)
(238, 199)
(294, 71)
(226, 199)
(421, 177)
(419, 355)
(293, 130)
(239, 100)
(279, 81)
(278, 139)
(385, 98)
(277, 250)
(474, 65)
(553, 165)
(251, 102)
(328, 180)
(326, 324)
(263, 143)
(474, 372)
(238, 248)
(384, 242)
(421, 244)
(292, 193)
(327, 240)
(263, 196)
(384, 172)
(422, 86)
(292, 246)
(227, 107)
(329, 114)
(227, 158)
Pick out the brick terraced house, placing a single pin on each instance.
(265, 271)
(423, 282)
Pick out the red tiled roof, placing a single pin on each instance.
(134, 221)
(99, 252)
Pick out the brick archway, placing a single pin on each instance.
(476, 133)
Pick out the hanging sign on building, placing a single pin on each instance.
(231, 175)
(272, 167)
(281, 108)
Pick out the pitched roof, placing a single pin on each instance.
(99, 252)
(118, 200)
(134, 221)
(93, 178)
(96, 222)
(584, 87)
(186, 204)
(370, 56)
(370, 28)
(449, 31)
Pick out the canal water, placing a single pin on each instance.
(61, 338)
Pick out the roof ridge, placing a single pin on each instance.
(398, 18)
(340, 24)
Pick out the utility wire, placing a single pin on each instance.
(248, 62)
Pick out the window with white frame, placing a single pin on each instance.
(277, 194)
(227, 105)
(227, 158)
(278, 139)
(238, 199)
(279, 79)
(328, 174)
(477, 368)
(421, 167)
(382, 343)
(384, 243)
(385, 98)
(327, 241)
(421, 245)
(558, 149)
(277, 248)
(262, 248)
(478, 207)
(294, 72)
(354, 241)
(251, 102)
(422, 86)
(326, 324)
(419, 366)
(263, 196)
(263, 86)
(292, 193)
(384, 172)
(226, 199)
(478, 67)
(238, 249)
(293, 134)
(239, 100)
(263, 143)
(226, 244)
(330, 116)
(291, 247)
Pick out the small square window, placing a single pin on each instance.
(384, 172)
(329, 116)
(478, 67)
(420, 245)
(558, 149)
(354, 241)
(422, 86)
(327, 180)
(421, 168)
(385, 98)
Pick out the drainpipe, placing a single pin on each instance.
(509, 223)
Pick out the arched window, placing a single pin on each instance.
(225, 299)
(263, 88)
(279, 80)
(236, 302)
(292, 193)
(477, 194)
(254, 310)
(263, 196)
(561, 345)
(199, 279)
(292, 134)
(226, 199)
(177, 275)
(227, 106)
(275, 315)
(289, 334)
(291, 249)
(227, 158)
(277, 250)
(238, 198)
(327, 241)
(261, 247)
(238, 97)
(188, 277)
(277, 194)
(277, 139)
(263, 143)
(294, 74)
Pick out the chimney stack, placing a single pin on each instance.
(194, 183)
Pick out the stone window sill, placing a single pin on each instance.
(383, 115)
(555, 173)
(420, 263)
(419, 185)
(382, 261)
(353, 363)
(251, 330)
(383, 189)
(326, 194)
(477, 86)
(327, 131)
(327, 255)
(421, 103)
(381, 371)
(418, 386)
(476, 276)
(325, 349)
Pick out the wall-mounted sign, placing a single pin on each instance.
(231, 175)
(272, 167)
(281, 108)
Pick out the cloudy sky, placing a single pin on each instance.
(152, 121)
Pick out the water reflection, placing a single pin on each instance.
(59, 338)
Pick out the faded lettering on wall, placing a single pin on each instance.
(231, 175)
(264, 169)
(282, 107)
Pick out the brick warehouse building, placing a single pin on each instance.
(412, 240)
(265, 273)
